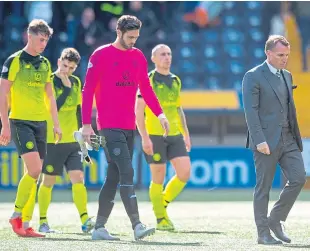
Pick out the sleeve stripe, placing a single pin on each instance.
(13, 69)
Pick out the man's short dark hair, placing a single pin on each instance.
(71, 55)
(273, 40)
(128, 23)
(39, 26)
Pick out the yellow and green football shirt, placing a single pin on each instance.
(167, 89)
(29, 75)
(67, 109)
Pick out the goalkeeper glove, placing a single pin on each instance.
(84, 149)
(97, 141)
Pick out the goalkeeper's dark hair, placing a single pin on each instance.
(128, 23)
(71, 54)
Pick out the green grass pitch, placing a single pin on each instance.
(205, 220)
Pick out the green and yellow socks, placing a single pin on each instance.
(156, 196)
(79, 196)
(160, 199)
(173, 189)
(24, 191)
(44, 200)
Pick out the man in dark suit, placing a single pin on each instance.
(274, 137)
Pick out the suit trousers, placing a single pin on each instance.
(288, 155)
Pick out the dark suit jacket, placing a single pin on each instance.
(263, 107)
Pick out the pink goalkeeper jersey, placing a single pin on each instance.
(114, 76)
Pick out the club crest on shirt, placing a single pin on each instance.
(125, 75)
(37, 77)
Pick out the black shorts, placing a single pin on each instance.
(62, 155)
(29, 136)
(166, 149)
(120, 143)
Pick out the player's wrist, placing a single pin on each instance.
(162, 116)
(56, 123)
(186, 135)
(145, 137)
(5, 124)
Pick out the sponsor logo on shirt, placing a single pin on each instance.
(35, 84)
(125, 83)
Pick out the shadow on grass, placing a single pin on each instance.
(157, 243)
(89, 234)
(140, 242)
(62, 239)
(196, 232)
(296, 246)
(80, 234)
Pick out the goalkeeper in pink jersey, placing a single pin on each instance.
(115, 72)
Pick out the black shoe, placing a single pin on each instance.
(267, 239)
(278, 230)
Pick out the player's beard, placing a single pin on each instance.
(123, 44)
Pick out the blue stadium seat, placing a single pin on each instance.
(254, 5)
(233, 36)
(213, 67)
(256, 35)
(256, 51)
(213, 82)
(254, 20)
(186, 66)
(185, 51)
(190, 81)
(229, 5)
(234, 50)
(236, 67)
(211, 51)
(210, 36)
(187, 36)
(235, 82)
(231, 21)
